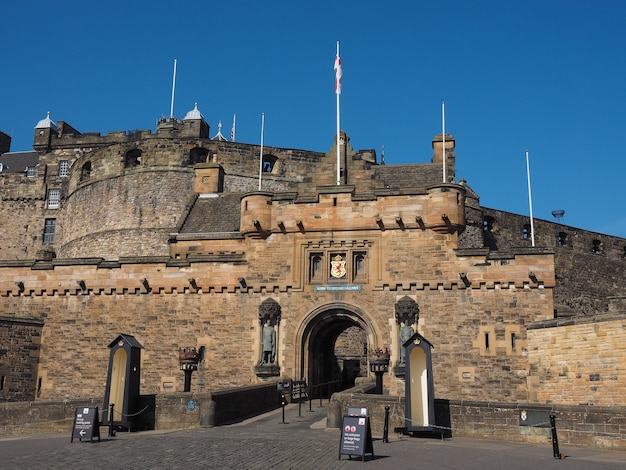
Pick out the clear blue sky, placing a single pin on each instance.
(544, 75)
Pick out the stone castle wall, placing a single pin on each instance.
(578, 361)
(20, 340)
(589, 266)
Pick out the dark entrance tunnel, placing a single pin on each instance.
(337, 350)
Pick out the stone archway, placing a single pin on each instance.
(333, 346)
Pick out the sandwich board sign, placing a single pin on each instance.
(356, 436)
(86, 424)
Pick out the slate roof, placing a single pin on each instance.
(408, 176)
(217, 214)
(16, 162)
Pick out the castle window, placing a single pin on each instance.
(488, 223)
(359, 266)
(269, 161)
(30, 171)
(487, 341)
(132, 158)
(597, 246)
(526, 232)
(49, 229)
(561, 239)
(54, 195)
(64, 168)
(85, 171)
(316, 267)
(513, 340)
(198, 155)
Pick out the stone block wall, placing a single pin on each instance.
(20, 341)
(578, 361)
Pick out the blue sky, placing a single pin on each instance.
(547, 76)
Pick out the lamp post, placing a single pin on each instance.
(188, 359)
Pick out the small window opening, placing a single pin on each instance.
(30, 171)
(132, 158)
(597, 246)
(488, 223)
(487, 341)
(39, 386)
(85, 171)
(526, 232)
(513, 339)
(561, 239)
(335, 201)
(269, 161)
(3, 379)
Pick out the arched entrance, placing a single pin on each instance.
(334, 344)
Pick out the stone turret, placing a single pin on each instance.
(45, 130)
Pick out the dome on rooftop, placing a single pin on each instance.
(193, 114)
(46, 123)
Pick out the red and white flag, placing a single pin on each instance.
(338, 74)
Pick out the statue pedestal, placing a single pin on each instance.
(267, 370)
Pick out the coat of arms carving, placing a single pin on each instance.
(338, 267)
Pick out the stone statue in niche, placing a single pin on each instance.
(268, 344)
(406, 331)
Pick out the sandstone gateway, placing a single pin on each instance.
(179, 240)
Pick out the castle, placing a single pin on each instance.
(186, 241)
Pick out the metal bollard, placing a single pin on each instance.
(111, 431)
(386, 428)
(555, 440)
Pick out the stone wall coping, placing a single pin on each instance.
(576, 320)
(24, 321)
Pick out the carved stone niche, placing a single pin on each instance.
(407, 309)
(269, 315)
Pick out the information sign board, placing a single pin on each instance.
(86, 424)
(356, 437)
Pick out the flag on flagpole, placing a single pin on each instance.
(232, 131)
(338, 73)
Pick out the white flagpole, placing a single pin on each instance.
(261, 156)
(530, 202)
(232, 131)
(338, 73)
(443, 138)
(173, 88)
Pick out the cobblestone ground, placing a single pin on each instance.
(302, 442)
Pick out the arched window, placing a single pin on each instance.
(85, 171)
(198, 155)
(132, 158)
(315, 267)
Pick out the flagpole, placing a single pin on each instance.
(530, 202)
(173, 88)
(443, 138)
(232, 131)
(338, 74)
(261, 156)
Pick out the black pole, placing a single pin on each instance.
(555, 440)
(379, 383)
(187, 380)
(111, 432)
(386, 428)
(283, 402)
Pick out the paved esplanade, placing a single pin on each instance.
(301, 443)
